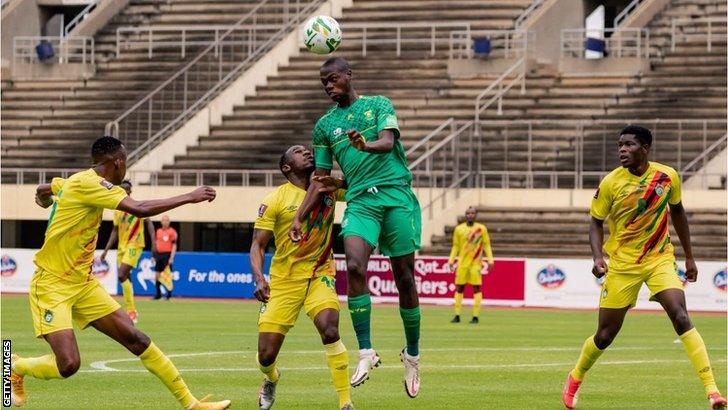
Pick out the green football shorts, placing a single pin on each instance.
(388, 216)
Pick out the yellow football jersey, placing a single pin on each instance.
(73, 225)
(637, 211)
(468, 243)
(131, 230)
(312, 256)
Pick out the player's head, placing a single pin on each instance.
(634, 146)
(336, 77)
(470, 214)
(165, 221)
(110, 153)
(126, 184)
(297, 159)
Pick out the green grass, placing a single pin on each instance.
(515, 359)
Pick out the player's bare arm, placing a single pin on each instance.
(329, 183)
(383, 145)
(680, 222)
(44, 195)
(144, 209)
(261, 238)
(596, 239)
(152, 234)
(312, 196)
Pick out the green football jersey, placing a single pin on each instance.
(362, 170)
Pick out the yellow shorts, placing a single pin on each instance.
(623, 281)
(288, 296)
(129, 256)
(469, 275)
(56, 302)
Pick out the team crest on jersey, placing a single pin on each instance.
(328, 201)
(48, 316)
(106, 184)
(261, 210)
(659, 190)
(369, 115)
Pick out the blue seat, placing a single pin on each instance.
(595, 44)
(481, 46)
(44, 51)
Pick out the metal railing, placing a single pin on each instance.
(631, 42)
(429, 33)
(689, 29)
(626, 12)
(535, 5)
(172, 103)
(496, 90)
(189, 36)
(698, 166)
(504, 43)
(80, 17)
(66, 50)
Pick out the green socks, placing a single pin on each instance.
(411, 321)
(360, 308)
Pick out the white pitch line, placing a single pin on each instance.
(399, 367)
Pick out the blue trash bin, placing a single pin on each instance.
(595, 44)
(44, 51)
(481, 46)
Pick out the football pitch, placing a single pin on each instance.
(514, 359)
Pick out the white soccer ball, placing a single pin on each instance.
(321, 35)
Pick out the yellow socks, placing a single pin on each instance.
(589, 355)
(477, 299)
(339, 364)
(698, 355)
(128, 291)
(158, 364)
(458, 303)
(270, 372)
(43, 367)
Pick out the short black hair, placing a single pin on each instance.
(339, 62)
(283, 161)
(641, 133)
(126, 182)
(103, 147)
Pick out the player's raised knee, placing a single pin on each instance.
(330, 334)
(67, 367)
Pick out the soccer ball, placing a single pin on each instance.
(321, 35)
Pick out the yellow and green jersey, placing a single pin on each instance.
(73, 225)
(362, 170)
(637, 211)
(312, 256)
(131, 230)
(468, 244)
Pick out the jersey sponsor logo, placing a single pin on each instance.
(106, 184)
(551, 277)
(337, 132)
(719, 280)
(261, 212)
(291, 208)
(8, 266)
(100, 268)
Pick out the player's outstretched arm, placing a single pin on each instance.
(261, 238)
(383, 145)
(596, 239)
(680, 222)
(144, 209)
(312, 196)
(44, 195)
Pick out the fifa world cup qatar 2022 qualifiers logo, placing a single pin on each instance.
(719, 279)
(8, 266)
(551, 277)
